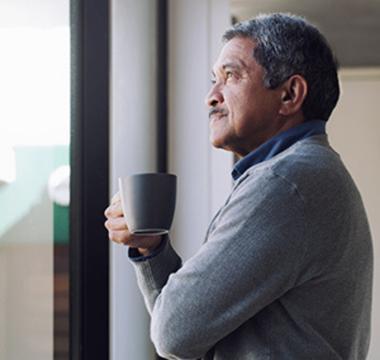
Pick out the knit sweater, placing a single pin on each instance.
(285, 271)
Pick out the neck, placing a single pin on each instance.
(281, 125)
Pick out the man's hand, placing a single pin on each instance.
(118, 231)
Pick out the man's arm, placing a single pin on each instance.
(252, 256)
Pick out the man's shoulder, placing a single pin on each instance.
(309, 157)
(308, 165)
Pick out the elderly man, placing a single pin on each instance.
(285, 271)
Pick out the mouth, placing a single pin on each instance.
(217, 112)
(216, 115)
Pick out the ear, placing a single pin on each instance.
(293, 94)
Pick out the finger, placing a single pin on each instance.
(120, 237)
(116, 224)
(115, 198)
(114, 210)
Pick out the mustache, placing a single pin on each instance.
(220, 111)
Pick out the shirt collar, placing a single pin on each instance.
(277, 144)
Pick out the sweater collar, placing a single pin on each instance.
(277, 144)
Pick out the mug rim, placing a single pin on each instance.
(148, 174)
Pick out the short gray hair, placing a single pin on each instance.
(287, 45)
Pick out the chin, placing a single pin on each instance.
(220, 135)
(216, 142)
(219, 144)
(216, 145)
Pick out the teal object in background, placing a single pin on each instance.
(61, 224)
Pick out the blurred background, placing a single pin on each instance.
(34, 179)
(160, 56)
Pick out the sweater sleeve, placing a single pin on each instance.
(252, 256)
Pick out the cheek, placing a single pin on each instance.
(240, 96)
(242, 108)
(234, 102)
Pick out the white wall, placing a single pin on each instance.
(204, 179)
(354, 131)
(133, 127)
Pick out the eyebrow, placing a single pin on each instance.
(238, 64)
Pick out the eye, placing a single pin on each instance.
(229, 74)
(213, 81)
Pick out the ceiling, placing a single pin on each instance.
(352, 27)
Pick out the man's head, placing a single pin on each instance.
(274, 72)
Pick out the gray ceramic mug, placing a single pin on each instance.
(148, 202)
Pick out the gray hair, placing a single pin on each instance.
(287, 45)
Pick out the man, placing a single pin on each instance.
(285, 271)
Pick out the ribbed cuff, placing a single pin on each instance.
(134, 254)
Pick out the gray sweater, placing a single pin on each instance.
(285, 271)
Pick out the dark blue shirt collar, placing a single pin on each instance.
(277, 144)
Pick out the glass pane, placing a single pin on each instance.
(34, 179)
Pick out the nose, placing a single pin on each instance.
(214, 97)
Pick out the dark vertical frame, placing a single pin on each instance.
(162, 85)
(162, 89)
(89, 158)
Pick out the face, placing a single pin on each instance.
(243, 113)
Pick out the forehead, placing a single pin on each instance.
(237, 51)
